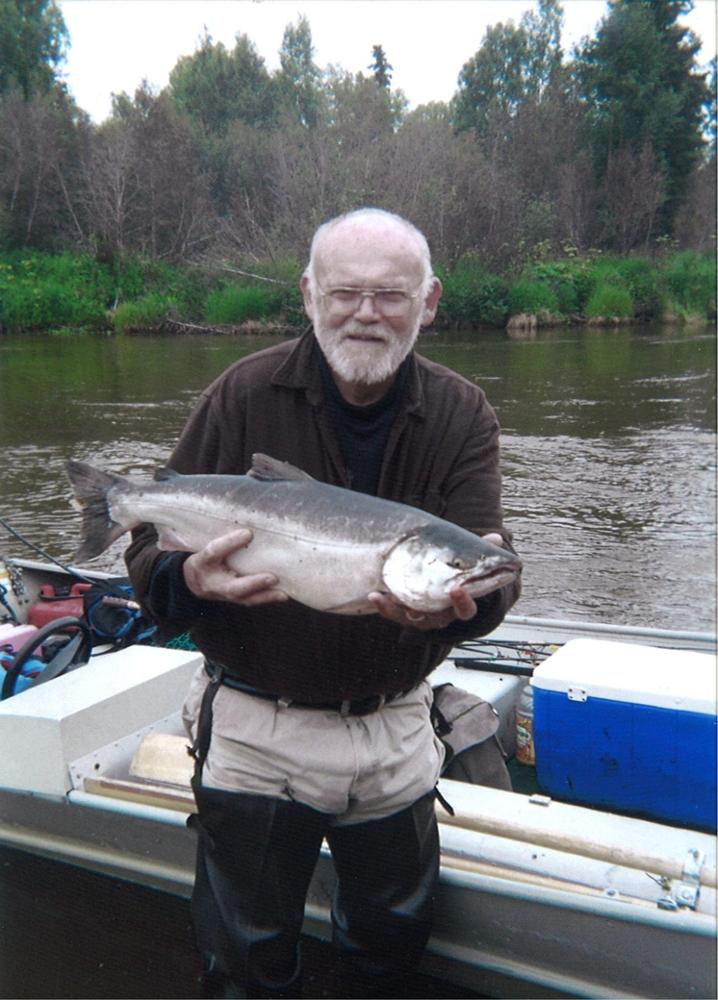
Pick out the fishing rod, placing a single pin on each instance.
(41, 552)
(505, 656)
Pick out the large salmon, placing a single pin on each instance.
(328, 546)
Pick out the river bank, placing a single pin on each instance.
(42, 292)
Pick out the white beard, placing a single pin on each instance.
(364, 362)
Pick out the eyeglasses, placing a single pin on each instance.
(387, 301)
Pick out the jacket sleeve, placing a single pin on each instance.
(472, 495)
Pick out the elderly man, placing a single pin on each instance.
(311, 725)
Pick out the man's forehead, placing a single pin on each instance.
(364, 241)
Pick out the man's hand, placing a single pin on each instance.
(463, 606)
(208, 576)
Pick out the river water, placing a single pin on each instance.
(609, 450)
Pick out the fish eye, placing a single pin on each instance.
(457, 563)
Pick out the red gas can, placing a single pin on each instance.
(58, 602)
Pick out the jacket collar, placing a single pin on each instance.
(300, 370)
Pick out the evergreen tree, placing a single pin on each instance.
(709, 106)
(33, 38)
(381, 68)
(640, 83)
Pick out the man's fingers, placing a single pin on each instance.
(387, 607)
(219, 548)
(463, 604)
(258, 588)
(494, 538)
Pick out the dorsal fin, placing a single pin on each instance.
(266, 468)
(165, 475)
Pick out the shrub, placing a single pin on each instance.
(237, 303)
(690, 282)
(641, 279)
(472, 294)
(146, 314)
(563, 277)
(528, 296)
(634, 274)
(39, 291)
(609, 300)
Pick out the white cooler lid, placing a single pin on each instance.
(628, 672)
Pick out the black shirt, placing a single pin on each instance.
(363, 431)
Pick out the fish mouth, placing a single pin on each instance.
(480, 584)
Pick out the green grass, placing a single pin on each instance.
(145, 314)
(238, 303)
(530, 296)
(689, 279)
(609, 300)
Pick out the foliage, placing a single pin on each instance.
(637, 276)
(39, 292)
(528, 296)
(381, 68)
(564, 278)
(690, 282)
(237, 303)
(215, 87)
(233, 162)
(149, 313)
(299, 80)
(33, 39)
(639, 80)
(472, 294)
(514, 64)
(608, 300)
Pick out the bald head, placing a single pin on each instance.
(355, 234)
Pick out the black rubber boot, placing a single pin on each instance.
(388, 873)
(255, 858)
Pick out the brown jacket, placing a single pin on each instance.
(442, 456)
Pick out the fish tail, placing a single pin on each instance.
(91, 487)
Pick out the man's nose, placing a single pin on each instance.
(366, 311)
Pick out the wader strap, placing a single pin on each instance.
(200, 747)
(447, 805)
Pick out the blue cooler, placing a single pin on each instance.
(628, 728)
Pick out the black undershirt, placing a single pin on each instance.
(363, 431)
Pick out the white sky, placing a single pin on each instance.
(117, 43)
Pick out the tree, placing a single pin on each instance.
(215, 87)
(513, 65)
(33, 38)
(144, 188)
(640, 83)
(710, 109)
(40, 141)
(381, 68)
(299, 78)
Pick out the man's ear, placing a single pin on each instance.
(431, 303)
(309, 303)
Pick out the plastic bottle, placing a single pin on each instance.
(525, 727)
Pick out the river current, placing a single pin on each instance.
(608, 450)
